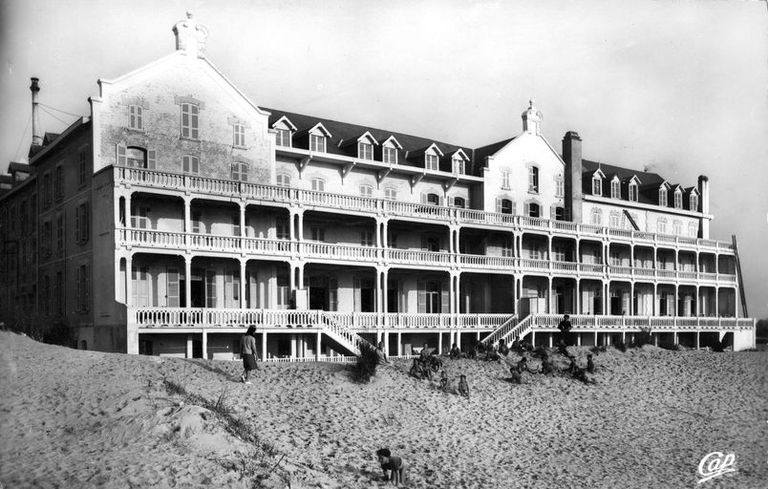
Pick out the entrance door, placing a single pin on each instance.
(392, 296)
(197, 289)
(367, 296)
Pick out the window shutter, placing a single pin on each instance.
(172, 292)
(498, 205)
(441, 201)
(450, 201)
(514, 207)
(553, 212)
(526, 209)
(121, 155)
(151, 158)
(86, 288)
(445, 306)
(357, 305)
(77, 223)
(421, 286)
(423, 198)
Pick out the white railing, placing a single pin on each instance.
(419, 321)
(618, 323)
(501, 331)
(174, 181)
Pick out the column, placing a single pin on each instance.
(578, 308)
(717, 301)
(440, 343)
(736, 302)
(379, 237)
(264, 345)
(317, 346)
(205, 344)
(458, 339)
(292, 225)
(129, 280)
(379, 295)
(128, 210)
(631, 298)
(300, 225)
(674, 309)
(187, 215)
(293, 346)
(243, 264)
(549, 295)
(385, 301)
(654, 309)
(399, 343)
(242, 219)
(606, 297)
(188, 280)
(189, 345)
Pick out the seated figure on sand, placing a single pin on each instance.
(503, 349)
(419, 370)
(590, 364)
(547, 367)
(456, 352)
(393, 467)
(381, 354)
(445, 383)
(463, 386)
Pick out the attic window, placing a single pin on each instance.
(597, 185)
(431, 162)
(458, 166)
(693, 202)
(678, 200)
(364, 150)
(389, 155)
(663, 196)
(615, 189)
(317, 143)
(633, 191)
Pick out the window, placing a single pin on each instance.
(240, 171)
(615, 189)
(135, 158)
(318, 233)
(614, 259)
(633, 191)
(283, 180)
(390, 193)
(558, 253)
(559, 213)
(505, 206)
(663, 197)
(507, 247)
(534, 210)
(140, 218)
(82, 223)
(677, 228)
(317, 143)
(597, 217)
(136, 117)
(59, 179)
(459, 202)
(614, 220)
(59, 234)
(458, 166)
(189, 120)
(364, 150)
(678, 199)
(559, 186)
(210, 288)
(431, 162)
(83, 288)
(318, 185)
(366, 238)
(366, 191)
(693, 202)
(533, 179)
(47, 237)
(693, 230)
(597, 185)
(283, 137)
(433, 199)
(46, 189)
(238, 135)
(390, 155)
(431, 243)
(661, 226)
(197, 222)
(505, 179)
(82, 168)
(281, 229)
(59, 293)
(190, 164)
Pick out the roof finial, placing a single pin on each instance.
(530, 103)
(190, 36)
(189, 14)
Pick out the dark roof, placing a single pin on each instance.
(624, 174)
(491, 149)
(6, 179)
(49, 138)
(22, 167)
(342, 131)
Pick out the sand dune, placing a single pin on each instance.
(87, 419)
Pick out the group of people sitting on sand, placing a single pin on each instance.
(428, 363)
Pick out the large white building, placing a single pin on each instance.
(181, 211)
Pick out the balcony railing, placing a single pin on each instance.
(580, 322)
(334, 202)
(365, 255)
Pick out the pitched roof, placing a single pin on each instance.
(479, 154)
(22, 167)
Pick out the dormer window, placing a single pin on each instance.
(633, 191)
(458, 166)
(389, 155)
(533, 179)
(317, 143)
(615, 189)
(678, 200)
(431, 162)
(597, 185)
(693, 202)
(283, 137)
(663, 196)
(365, 150)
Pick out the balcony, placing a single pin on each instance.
(339, 203)
(151, 241)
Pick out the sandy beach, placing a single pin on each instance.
(74, 418)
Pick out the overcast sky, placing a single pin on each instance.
(679, 87)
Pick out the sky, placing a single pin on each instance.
(676, 87)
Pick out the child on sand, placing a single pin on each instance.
(393, 467)
(547, 368)
(590, 364)
(463, 386)
(444, 381)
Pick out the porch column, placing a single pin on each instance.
(300, 225)
(631, 298)
(317, 346)
(698, 339)
(379, 295)
(654, 308)
(129, 280)
(399, 343)
(386, 342)
(293, 346)
(187, 214)
(205, 344)
(606, 297)
(675, 303)
(292, 225)
(549, 295)
(128, 209)
(189, 345)
(697, 298)
(577, 305)
(440, 342)
(736, 302)
(243, 264)
(188, 281)
(458, 339)
(264, 346)
(457, 306)
(717, 301)
(242, 219)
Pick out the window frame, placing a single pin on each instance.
(283, 180)
(389, 155)
(190, 130)
(693, 202)
(534, 179)
(663, 197)
(190, 165)
(318, 184)
(136, 117)
(283, 135)
(238, 135)
(678, 199)
(615, 189)
(431, 162)
(239, 171)
(366, 191)
(597, 186)
(390, 193)
(365, 150)
(633, 192)
(315, 142)
(559, 186)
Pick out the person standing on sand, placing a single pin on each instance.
(565, 330)
(248, 352)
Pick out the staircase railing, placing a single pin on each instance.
(501, 331)
(346, 338)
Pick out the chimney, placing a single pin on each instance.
(573, 168)
(190, 36)
(704, 196)
(532, 120)
(37, 138)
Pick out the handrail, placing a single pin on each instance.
(272, 193)
(501, 331)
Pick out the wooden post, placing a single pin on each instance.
(205, 344)
(264, 346)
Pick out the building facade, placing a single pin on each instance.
(180, 212)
